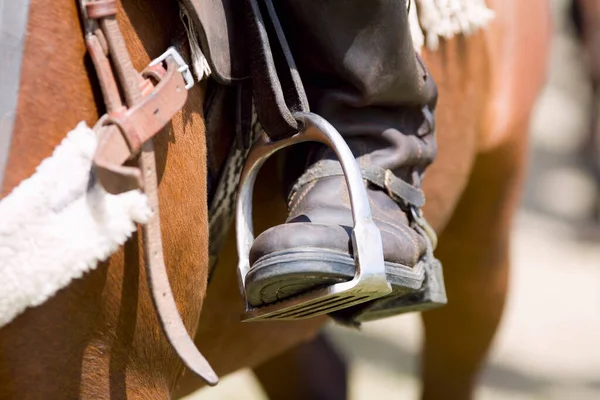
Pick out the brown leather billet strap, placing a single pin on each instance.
(127, 129)
(101, 9)
(145, 119)
(158, 279)
(122, 133)
(113, 176)
(108, 85)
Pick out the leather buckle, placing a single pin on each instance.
(126, 130)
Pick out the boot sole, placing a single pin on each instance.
(430, 296)
(283, 274)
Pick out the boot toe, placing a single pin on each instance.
(293, 258)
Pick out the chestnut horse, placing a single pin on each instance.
(99, 337)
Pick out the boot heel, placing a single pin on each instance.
(431, 295)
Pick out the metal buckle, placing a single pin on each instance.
(182, 66)
(369, 281)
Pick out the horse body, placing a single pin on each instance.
(100, 334)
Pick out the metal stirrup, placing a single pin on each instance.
(369, 281)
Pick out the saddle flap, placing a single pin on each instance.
(220, 28)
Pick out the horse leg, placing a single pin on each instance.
(474, 249)
(313, 370)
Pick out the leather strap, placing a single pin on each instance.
(127, 129)
(122, 133)
(97, 50)
(244, 41)
(13, 27)
(397, 189)
(276, 85)
(143, 120)
(101, 9)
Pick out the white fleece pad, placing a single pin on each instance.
(430, 21)
(60, 223)
(444, 19)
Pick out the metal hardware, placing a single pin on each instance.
(370, 280)
(181, 65)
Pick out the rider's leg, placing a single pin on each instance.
(362, 74)
(314, 370)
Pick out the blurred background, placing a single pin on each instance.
(548, 345)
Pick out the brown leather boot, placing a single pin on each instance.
(361, 73)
